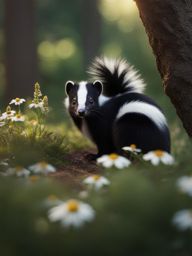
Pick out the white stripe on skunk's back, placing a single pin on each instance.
(146, 109)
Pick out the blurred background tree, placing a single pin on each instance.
(20, 48)
(91, 28)
(67, 37)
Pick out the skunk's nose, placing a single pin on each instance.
(81, 112)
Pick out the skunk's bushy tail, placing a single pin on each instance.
(117, 76)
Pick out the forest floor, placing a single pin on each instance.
(78, 165)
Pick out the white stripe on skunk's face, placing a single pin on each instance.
(146, 109)
(82, 96)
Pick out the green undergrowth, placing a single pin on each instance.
(133, 216)
(41, 143)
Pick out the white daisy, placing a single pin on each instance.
(8, 114)
(2, 123)
(132, 148)
(185, 184)
(18, 118)
(96, 181)
(4, 162)
(72, 213)
(113, 159)
(17, 101)
(42, 168)
(19, 171)
(157, 156)
(36, 105)
(183, 219)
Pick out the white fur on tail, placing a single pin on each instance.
(132, 78)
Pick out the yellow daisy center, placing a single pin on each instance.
(33, 178)
(52, 198)
(159, 153)
(17, 99)
(18, 116)
(43, 164)
(96, 177)
(113, 156)
(72, 206)
(133, 146)
(9, 112)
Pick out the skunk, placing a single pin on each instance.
(113, 112)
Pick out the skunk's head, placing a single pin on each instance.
(82, 97)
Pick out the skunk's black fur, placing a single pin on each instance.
(113, 112)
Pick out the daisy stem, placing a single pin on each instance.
(140, 158)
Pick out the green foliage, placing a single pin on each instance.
(38, 145)
(24, 139)
(133, 216)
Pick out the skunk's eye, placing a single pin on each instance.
(91, 101)
(74, 101)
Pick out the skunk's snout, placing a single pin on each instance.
(81, 112)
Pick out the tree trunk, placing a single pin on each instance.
(91, 30)
(168, 24)
(20, 52)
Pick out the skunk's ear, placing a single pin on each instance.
(97, 84)
(69, 84)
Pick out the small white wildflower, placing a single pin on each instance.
(113, 159)
(2, 123)
(8, 114)
(37, 90)
(72, 213)
(183, 219)
(18, 118)
(4, 162)
(157, 156)
(17, 101)
(45, 105)
(19, 171)
(96, 181)
(132, 148)
(42, 168)
(37, 105)
(185, 184)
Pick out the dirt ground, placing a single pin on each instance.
(78, 166)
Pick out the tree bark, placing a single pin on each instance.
(91, 30)
(20, 48)
(168, 24)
